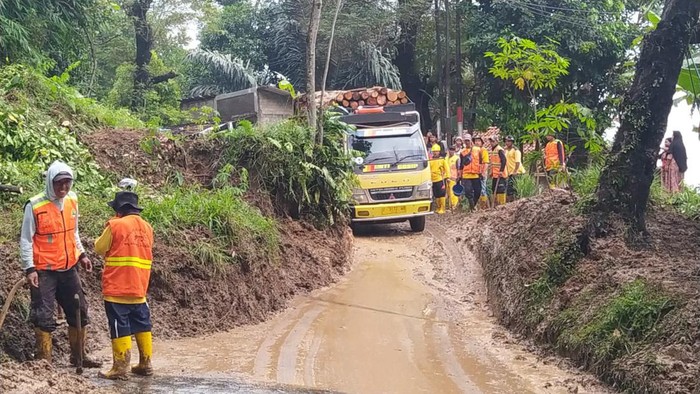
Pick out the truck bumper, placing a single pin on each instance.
(390, 212)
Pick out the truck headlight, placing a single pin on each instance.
(359, 196)
(425, 190)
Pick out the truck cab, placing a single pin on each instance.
(392, 166)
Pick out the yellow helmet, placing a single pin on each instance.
(435, 148)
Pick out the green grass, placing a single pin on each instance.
(218, 214)
(629, 318)
(585, 181)
(526, 186)
(559, 266)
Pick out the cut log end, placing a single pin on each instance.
(402, 94)
(381, 100)
(392, 96)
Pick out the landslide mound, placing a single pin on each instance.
(631, 316)
(42, 377)
(186, 296)
(153, 158)
(186, 300)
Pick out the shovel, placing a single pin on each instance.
(79, 356)
(493, 194)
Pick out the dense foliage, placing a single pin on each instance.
(303, 178)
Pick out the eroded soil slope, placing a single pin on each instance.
(629, 315)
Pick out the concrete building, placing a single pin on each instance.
(262, 104)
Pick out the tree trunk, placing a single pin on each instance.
(629, 171)
(144, 41)
(438, 67)
(338, 6)
(447, 77)
(314, 21)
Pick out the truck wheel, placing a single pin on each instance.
(417, 224)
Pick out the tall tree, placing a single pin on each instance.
(626, 179)
(314, 21)
(409, 22)
(137, 10)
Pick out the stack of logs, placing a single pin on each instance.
(354, 98)
(373, 96)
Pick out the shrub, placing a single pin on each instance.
(585, 181)
(233, 225)
(51, 99)
(687, 203)
(526, 186)
(305, 178)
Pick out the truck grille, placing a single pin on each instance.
(391, 193)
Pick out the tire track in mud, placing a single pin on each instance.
(411, 317)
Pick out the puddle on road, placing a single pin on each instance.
(190, 385)
(378, 330)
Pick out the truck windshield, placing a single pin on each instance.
(391, 149)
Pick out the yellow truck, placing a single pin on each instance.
(392, 166)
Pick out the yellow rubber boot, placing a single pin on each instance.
(43, 345)
(440, 201)
(121, 354)
(484, 202)
(75, 338)
(144, 341)
(500, 199)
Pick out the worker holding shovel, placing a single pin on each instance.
(127, 244)
(499, 175)
(50, 250)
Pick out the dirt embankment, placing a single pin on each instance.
(630, 316)
(42, 377)
(153, 159)
(186, 299)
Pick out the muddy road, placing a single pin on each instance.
(411, 317)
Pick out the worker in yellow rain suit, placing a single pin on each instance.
(452, 163)
(438, 172)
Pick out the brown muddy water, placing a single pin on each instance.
(406, 319)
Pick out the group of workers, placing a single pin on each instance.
(50, 250)
(461, 176)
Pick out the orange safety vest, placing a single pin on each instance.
(128, 261)
(476, 165)
(496, 164)
(551, 155)
(54, 245)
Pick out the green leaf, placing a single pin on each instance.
(653, 18)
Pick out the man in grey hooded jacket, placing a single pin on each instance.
(50, 250)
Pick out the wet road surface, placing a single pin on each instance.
(406, 319)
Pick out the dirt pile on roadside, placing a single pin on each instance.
(153, 158)
(187, 300)
(42, 377)
(631, 316)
